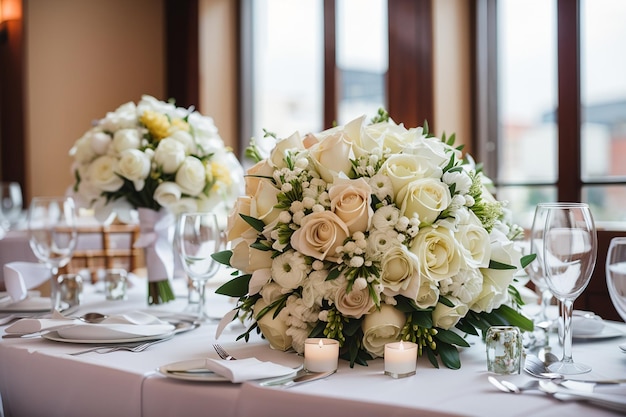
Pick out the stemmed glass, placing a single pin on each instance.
(616, 274)
(537, 276)
(52, 234)
(199, 237)
(565, 235)
(10, 205)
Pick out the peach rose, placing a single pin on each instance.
(319, 235)
(351, 201)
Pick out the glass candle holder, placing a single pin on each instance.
(400, 359)
(115, 284)
(321, 355)
(504, 350)
(69, 289)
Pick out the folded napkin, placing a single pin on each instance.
(134, 324)
(19, 277)
(247, 369)
(586, 326)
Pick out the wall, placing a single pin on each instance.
(83, 58)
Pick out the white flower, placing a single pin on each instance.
(426, 198)
(125, 139)
(381, 327)
(191, 176)
(289, 269)
(169, 155)
(134, 165)
(446, 317)
(438, 253)
(102, 174)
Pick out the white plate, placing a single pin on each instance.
(608, 332)
(623, 347)
(57, 338)
(188, 376)
(28, 305)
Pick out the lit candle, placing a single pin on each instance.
(321, 355)
(400, 359)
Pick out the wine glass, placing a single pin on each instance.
(566, 237)
(52, 234)
(537, 276)
(198, 238)
(616, 274)
(10, 205)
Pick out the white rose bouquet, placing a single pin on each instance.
(159, 160)
(370, 234)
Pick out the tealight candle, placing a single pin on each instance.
(321, 355)
(400, 359)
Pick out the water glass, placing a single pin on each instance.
(504, 350)
(115, 284)
(616, 274)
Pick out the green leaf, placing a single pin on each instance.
(423, 319)
(333, 274)
(448, 336)
(443, 300)
(256, 224)
(223, 257)
(466, 327)
(499, 265)
(527, 259)
(449, 355)
(237, 287)
(432, 358)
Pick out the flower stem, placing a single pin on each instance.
(160, 292)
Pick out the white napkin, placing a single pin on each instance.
(19, 277)
(134, 324)
(586, 326)
(247, 369)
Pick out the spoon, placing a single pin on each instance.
(535, 367)
(92, 317)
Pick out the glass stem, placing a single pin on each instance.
(546, 297)
(202, 294)
(567, 309)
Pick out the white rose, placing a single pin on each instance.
(474, 240)
(255, 175)
(400, 272)
(101, 173)
(431, 149)
(169, 155)
(331, 156)
(387, 135)
(167, 194)
(428, 294)
(126, 139)
(191, 176)
(319, 235)
(277, 156)
(438, 253)
(447, 317)
(403, 169)
(82, 150)
(273, 328)
(271, 292)
(100, 143)
(351, 201)
(134, 165)
(237, 227)
(426, 197)
(125, 116)
(186, 139)
(354, 303)
(263, 202)
(184, 205)
(381, 327)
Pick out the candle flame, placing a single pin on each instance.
(321, 345)
(401, 347)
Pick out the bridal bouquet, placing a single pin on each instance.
(368, 234)
(155, 159)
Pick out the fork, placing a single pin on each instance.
(129, 348)
(222, 353)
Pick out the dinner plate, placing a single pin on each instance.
(54, 336)
(207, 376)
(607, 332)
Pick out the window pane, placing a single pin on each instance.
(603, 88)
(362, 57)
(521, 201)
(527, 91)
(607, 203)
(287, 67)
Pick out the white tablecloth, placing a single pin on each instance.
(38, 378)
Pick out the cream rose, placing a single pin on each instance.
(388, 136)
(403, 169)
(125, 139)
(351, 201)
(354, 303)
(381, 327)
(447, 317)
(101, 174)
(438, 253)
(474, 240)
(331, 156)
(263, 202)
(100, 142)
(82, 151)
(277, 156)
(191, 176)
(237, 227)
(167, 194)
(319, 235)
(134, 165)
(273, 328)
(428, 293)
(256, 174)
(426, 197)
(400, 272)
(169, 155)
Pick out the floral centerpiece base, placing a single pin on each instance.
(370, 234)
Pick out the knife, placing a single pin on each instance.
(300, 378)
